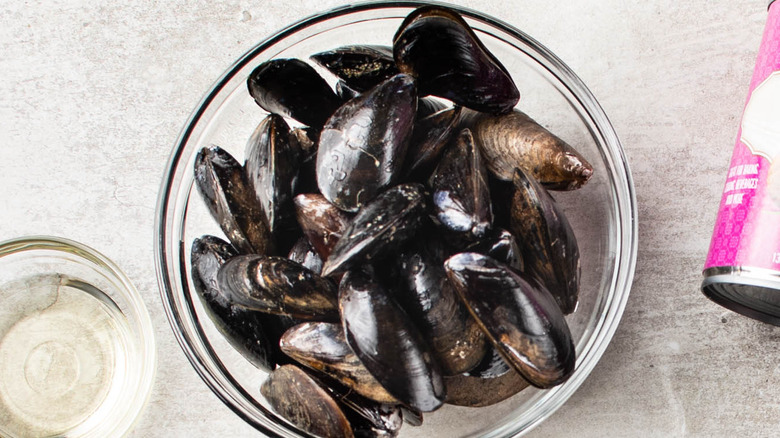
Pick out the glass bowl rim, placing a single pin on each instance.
(625, 205)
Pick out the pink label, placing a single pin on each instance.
(747, 230)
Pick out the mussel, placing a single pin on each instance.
(278, 285)
(427, 296)
(362, 145)
(514, 140)
(436, 46)
(459, 191)
(491, 382)
(520, 317)
(292, 88)
(322, 346)
(361, 67)
(232, 203)
(321, 222)
(244, 329)
(430, 137)
(272, 168)
(380, 227)
(546, 240)
(386, 341)
(299, 398)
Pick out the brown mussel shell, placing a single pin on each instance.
(322, 346)
(428, 298)
(272, 166)
(459, 189)
(435, 45)
(244, 329)
(514, 140)
(279, 286)
(521, 318)
(384, 338)
(304, 254)
(230, 200)
(429, 138)
(361, 67)
(300, 399)
(321, 222)
(362, 145)
(379, 228)
(546, 240)
(292, 88)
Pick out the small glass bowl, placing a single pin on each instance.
(603, 213)
(77, 352)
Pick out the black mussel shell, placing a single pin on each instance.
(520, 317)
(427, 106)
(435, 45)
(473, 392)
(428, 298)
(502, 246)
(459, 189)
(300, 399)
(344, 92)
(292, 88)
(304, 254)
(361, 67)
(244, 329)
(279, 286)
(230, 200)
(321, 222)
(429, 138)
(363, 144)
(379, 228)
(546, 240)
(384, 338)
(322, 346)
(272, 167)
(514, 140)
(367, 417)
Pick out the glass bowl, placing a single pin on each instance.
(77, 352)
(602, 213)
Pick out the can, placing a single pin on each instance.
(742, 270)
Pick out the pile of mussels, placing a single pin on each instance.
(395, 252)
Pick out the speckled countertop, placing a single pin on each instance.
(93, 95)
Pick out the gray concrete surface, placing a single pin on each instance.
(93, 95)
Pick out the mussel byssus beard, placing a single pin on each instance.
(384, 338)
(363, 144)
(546, 240)
(435, 45)
(520, 317)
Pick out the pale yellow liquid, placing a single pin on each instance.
(62, 350)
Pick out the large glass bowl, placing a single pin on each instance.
(603, 213)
